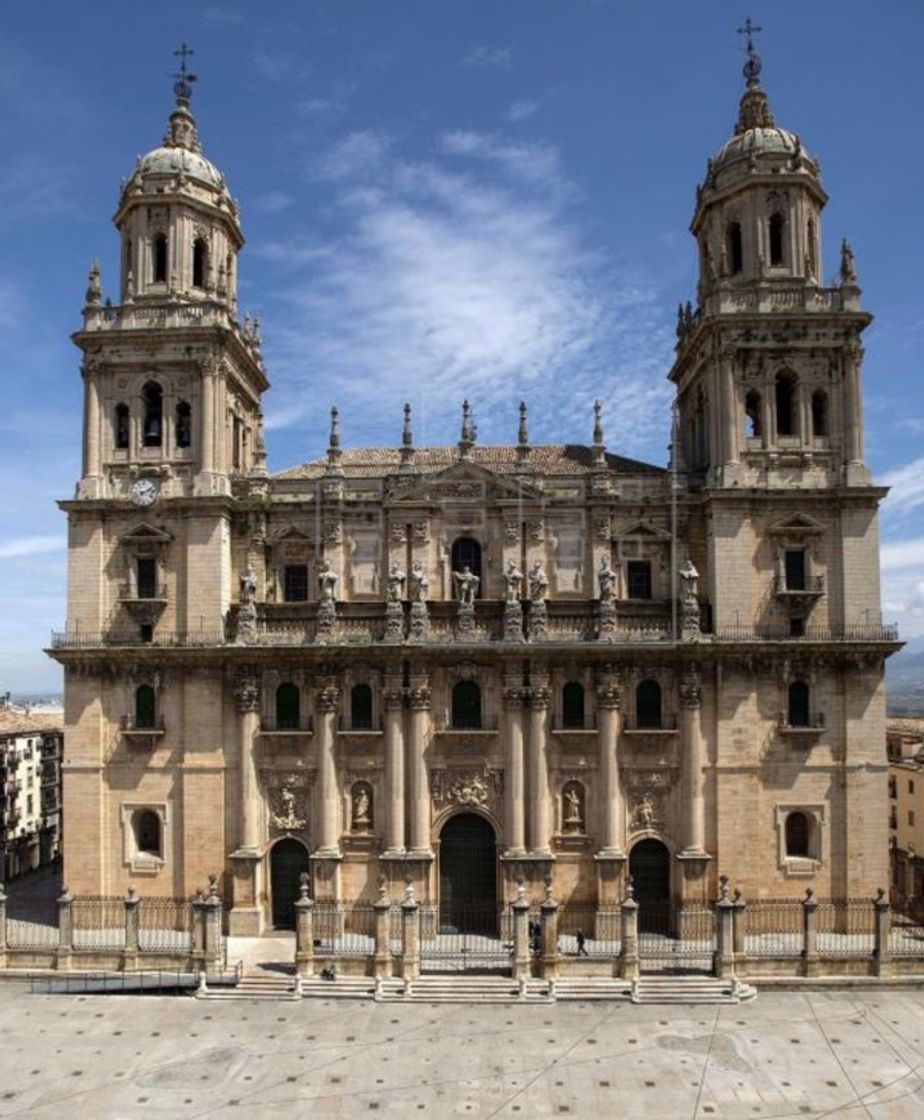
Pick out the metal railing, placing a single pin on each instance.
(105, 639)
(98, 923)
(776, 633)
(164, 925)
(128, 591)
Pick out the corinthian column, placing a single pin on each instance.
(394, 764)
(247, 697)
(514, 778)
(612, 805)
(91, 465)
(694, 761)
(327, 701)
(540, 806)
(418, 777)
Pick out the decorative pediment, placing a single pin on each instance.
(799, 524)
(462, 482)
(145, 534)
(289, 534)
(644, 530)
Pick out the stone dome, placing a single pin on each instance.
(173, 160)
(763, 141)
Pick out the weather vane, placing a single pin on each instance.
(182, 86)
(753, 64)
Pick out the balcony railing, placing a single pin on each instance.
(373, 727)
(128, 593)
(811, 725)
(666, 725)
(445, 725)
(119, 638)
(130, 725)
(587, 722)
(865, 633)
(814, 586)
(304, 725)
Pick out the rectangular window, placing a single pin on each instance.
(638, 578)
(147, 632)
(236, 439)
(893, 818)
(795, 569)
(295, 589)
(893, 787)
(911, 816)
(147, 577)
(911, 785)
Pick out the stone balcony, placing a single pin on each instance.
(167, 314)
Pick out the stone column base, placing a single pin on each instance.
(245, 919)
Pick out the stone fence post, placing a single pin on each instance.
(724, 933)
(130, 953)
(381, 964)
(811, 964)
(304, 929)
(627, 964)
(410, 936)
(548, 917)
(197, 941)
(213, 913)
(739, 926)
(883, 949)
(521, 948)
(2, 927)
(65, 930)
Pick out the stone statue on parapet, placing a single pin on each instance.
(395, 583)
(418, 584)
(466, 584)
(513, 582)
(327, 582)
(607, 578)
(538, 582)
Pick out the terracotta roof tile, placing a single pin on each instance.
(15, 721)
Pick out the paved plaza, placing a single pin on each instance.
(818, 1054)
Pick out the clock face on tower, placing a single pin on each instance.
(144, 492)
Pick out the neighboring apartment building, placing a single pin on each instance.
(906, 811)
(31, 747)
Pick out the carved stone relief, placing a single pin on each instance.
(467, 787)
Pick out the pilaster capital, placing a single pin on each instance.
(540, 697)
(394, 699)
(247, 692)
(690, 688)
(514, 698)
(609, 695)
(418, 696)
(328, 698)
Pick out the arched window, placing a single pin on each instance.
(183, 424)
(466, 553)
(572, 705)
(753, 426)
(798, 834)
(776, 226)
(121, 426)
(153, 397)
(200, 262)
(812, 241)
(148, 834)
(466, 705)
(288, 707)
(361, 707)
(159, 258)
(819, 413)
(735, 248)
(798, 713)
(785, 404)
(145, 707)
(648, 704)
(128, 255)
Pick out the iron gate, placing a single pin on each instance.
(676, 938)
(470, 939)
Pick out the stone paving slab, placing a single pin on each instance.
(787, 1054)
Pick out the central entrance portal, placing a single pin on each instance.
(650, 868)
(288, 859)
(463, 932)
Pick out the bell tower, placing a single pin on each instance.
(768, 364)
(173, 381)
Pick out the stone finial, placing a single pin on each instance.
(599, 447)
(94, 296)
(213, 886)
(754, 109)
(407, 441)
(521, 890)
(381, 887)
(334, 454)
(723, 887)
(523, 436)
(547, 883)
(408, 890)
(467, 437)
(303, 881)
(630, 890)
(848, 264)
(129, 296)
(256, 338)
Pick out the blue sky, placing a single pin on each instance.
(481, 197)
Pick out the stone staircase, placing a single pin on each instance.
(690, 989)
(264, 986)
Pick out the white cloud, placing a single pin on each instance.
(273, 201)
(907, 487)
(903, 554)
(484, 56)
(521, 110)
(463, 275)
(29, 546)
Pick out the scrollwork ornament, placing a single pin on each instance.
(247, 693)
(328, 698)
(690, 688)
(419, 697)
(609, 695)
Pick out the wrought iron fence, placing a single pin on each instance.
(906, 936)
(165, 925)
(676, 938)
(465, 939)
(98, 923)
(344, 930)
(31, 923)
(774, 927)
(846, 928)
(588, 930)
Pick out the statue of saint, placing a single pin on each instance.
(419, 584)
(395, 583)
(466, 584)
(361, 806)
(689, 584)
(513, 581)
(538, 582)
(248, 586)
(573, 803)
(327, 581)
(607, 578)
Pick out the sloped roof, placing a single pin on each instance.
(554, 459)
(17, 721)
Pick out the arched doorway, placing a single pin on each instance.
(468, 876)
(650, 868)
(288, 859)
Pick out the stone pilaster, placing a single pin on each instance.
(417, 773)
(246, 917)
(327, 701)
(540, 806)
(693, 750)
(611, 799)
(394, 764)
(515, 777)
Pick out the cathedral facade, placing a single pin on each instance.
(475, 667)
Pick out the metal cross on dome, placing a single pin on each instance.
(182, 87)
(749, 29)
(753, 65)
